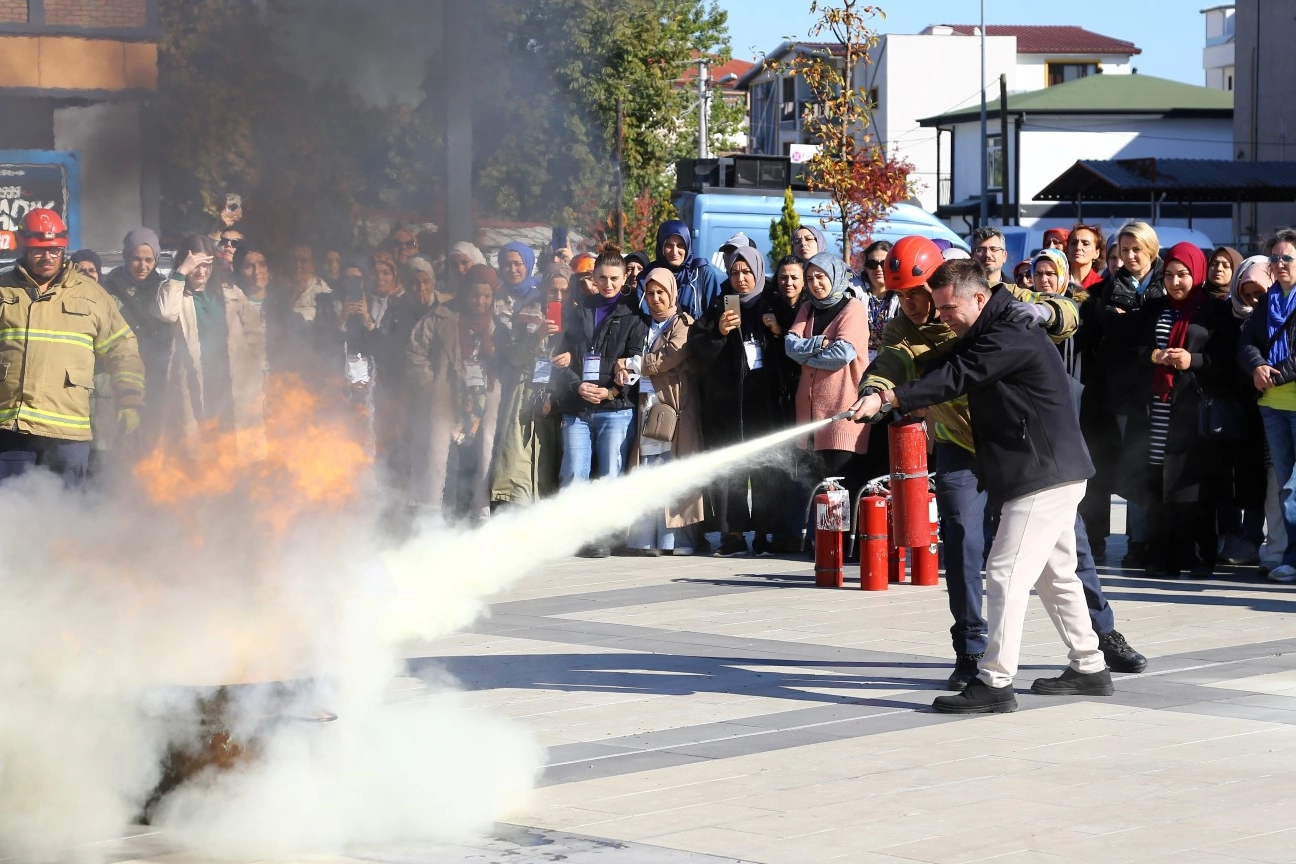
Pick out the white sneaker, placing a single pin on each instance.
(1283, 573)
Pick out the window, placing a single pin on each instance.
(994, 161)
(789, 107)
(1060, 73)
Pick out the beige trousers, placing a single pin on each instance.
(1035, 547)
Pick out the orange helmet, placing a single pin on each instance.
(583, 263)
(910, 262)
(43, 229)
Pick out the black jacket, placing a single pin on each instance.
(1117, 295)
(1024, 421)
(739, 404)
(621, 335)
(1254, 344)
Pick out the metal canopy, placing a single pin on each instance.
(1184, 180)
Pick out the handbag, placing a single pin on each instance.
(660, 423)
(1220, 419)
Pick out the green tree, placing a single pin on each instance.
(782, 229)
(863, 180)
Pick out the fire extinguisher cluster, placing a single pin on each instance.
(894, 519)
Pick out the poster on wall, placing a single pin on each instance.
(38, 178)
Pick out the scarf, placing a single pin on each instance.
(1186, 308)
(1060, 265)
(522, 291)
(1280, 307)
(756, 261)
(1254, 269)
(837, 272)
(1234, 258)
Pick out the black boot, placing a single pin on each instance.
(965, 669)
(978, 698)
(1120, 656)
(1073, 683)
(1135, 556)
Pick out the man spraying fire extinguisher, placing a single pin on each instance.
(920, 340)
(54, 323)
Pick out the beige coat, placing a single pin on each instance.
(183, 406)
(668, 364)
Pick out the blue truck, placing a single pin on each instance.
(716, 214)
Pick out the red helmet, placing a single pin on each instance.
(910, 262)
(43, 229)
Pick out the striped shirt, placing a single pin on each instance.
(1160, 414)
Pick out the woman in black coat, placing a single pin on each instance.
(1181, 347)
(744, 375)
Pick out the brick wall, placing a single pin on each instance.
(94, 14)
(13, 11)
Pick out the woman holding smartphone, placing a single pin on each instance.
(743, 375)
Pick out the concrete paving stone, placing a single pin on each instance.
(1278, 847)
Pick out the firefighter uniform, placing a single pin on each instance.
(49, 342)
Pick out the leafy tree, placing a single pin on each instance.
(863, 180)
(782, 229)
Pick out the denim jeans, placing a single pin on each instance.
(20, 452)
(601, 439)
(1280, 432)
(962, 508)
(651, 532)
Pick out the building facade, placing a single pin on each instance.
(1218, 55)
(1264, 120)
(78, 80)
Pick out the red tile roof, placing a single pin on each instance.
(1053, 39)
(736, 67)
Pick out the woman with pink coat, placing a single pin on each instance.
(829, 339)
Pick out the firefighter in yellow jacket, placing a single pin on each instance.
(54, 324)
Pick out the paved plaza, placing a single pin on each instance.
(706, 709)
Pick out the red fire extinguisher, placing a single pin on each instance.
(874, 541)
(925, 558)
(831, 503)
(910, 525)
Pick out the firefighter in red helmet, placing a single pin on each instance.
(54, 324)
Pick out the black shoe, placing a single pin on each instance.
(1118, 653)
(1073, 683)
(1136, 557)
(978, 698)
(732, 546)
(1152, 571)
(594, 550)
(1200, 571)
(965, 669)
(761, 547)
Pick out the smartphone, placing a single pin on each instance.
(553, 314)
(233, 202)
(733, 304)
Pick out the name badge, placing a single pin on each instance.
(755, 355)
(474, 376)
(646, 387)
(591, 367)
(540, 375)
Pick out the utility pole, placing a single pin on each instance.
(1003, 145)
(704, 108)
(985, 156)
(620, 173)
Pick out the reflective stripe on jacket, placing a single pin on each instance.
(49, 342)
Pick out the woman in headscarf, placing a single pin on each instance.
(1221, 264)
(216, 363)
(830, 340)
(636, 265)
(517, 281)
(1183, 340)
(808, 241)
(699, 282)
(744, 374)
(527, 444)
(666, 381)
(134, 285)
(1050, 273)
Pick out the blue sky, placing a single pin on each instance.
(1170, 32)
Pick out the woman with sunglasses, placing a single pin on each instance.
(1267, 354)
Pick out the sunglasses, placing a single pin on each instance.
(874, 265)
(1281, 259)
(407, 244)
(229, 241)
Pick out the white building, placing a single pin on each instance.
(1217, 56)
(911, 76)
(1098, 117)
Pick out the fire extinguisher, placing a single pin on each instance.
(910, 525)
(925, 558)
(872, 519)
(831, 504)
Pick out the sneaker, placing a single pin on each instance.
(1118, 653)
(1284, 573)
(1073, 683)
(965, 669)
(594, 550)
(732, 546)
(761, 547)
(682, 550)
(978, 698)
(1136, 557)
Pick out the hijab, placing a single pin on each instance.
(1192, 258)
(141, 237)
(469, 251)
(1059, 262)
(644, 263)
(837, 272)
(666, 279)
(470, 323)
(1234, 256)
(528, 286)
(756, 261)
(668, 229)
(1254, 269)
(819, 237)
